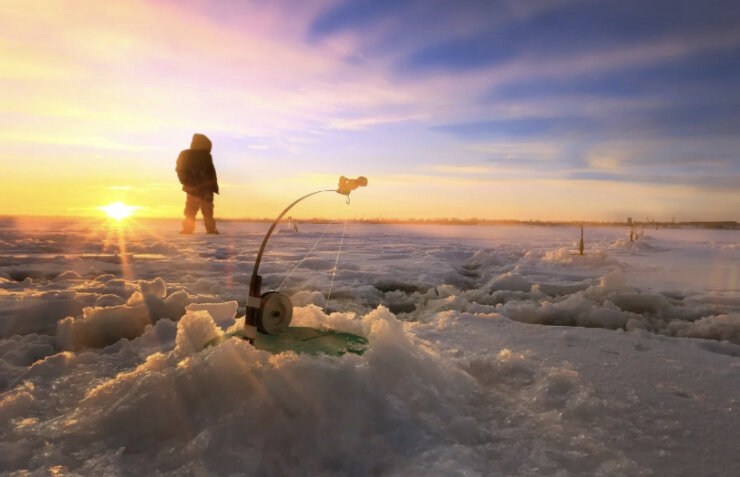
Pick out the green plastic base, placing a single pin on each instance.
(301, 339)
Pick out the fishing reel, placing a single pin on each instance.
(271, 312)
(274, 313)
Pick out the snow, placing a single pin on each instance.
(219, 312)
(493, 351)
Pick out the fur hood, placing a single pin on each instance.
(200, 142)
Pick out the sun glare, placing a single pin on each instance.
(118, 210)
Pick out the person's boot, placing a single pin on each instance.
(213, 232)
(188, 225)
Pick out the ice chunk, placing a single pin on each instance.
(512, 281)
(109, 300)
(180, 298)
(68, 275)
(194, 330)
(305, 298)
(16, 402)
(220, 312)
(154, 287)
(102, 326)
(720, 327)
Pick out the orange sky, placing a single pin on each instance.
(98, 98)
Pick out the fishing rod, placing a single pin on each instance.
(270, 312)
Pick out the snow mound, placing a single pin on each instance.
(511, 281)
(462, 380)
(102, 326)
(194, 405)
(220, 312)
(155, 288)
(591, 258)
(720, 328)
(194, 330)
(68, 275)
(109, 300)
(304, 298)
(640, 245)
(491, 258)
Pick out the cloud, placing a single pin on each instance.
(366, 122)
(99, 45)
(385, 85)
(517, 151)
(583, 30)
(519, 127)
(461, 169)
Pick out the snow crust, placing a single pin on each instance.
(493, 351)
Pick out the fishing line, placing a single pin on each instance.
(270, 312)
(336, 263)
(326, 229)
(300, 262)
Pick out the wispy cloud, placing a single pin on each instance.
(519, 150)
(366, 122)
(461, 169)
(621, 91)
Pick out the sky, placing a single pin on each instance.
(551, 110)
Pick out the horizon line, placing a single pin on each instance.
(732, 224)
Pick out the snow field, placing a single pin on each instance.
(102, 370)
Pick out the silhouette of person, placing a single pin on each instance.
(198, 178)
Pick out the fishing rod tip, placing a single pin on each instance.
(348, 185)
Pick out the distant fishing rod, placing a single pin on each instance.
(271, 312)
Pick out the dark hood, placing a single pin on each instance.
(200, 142)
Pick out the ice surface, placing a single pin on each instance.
(103, 371)
(219, 312)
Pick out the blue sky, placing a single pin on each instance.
(560, 109)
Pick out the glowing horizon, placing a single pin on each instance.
(494, 111)
(119, 210)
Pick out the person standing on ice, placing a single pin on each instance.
(198, 178)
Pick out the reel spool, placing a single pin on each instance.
(270, 313)
(275, 313)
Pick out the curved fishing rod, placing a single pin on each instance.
(274, 224)
(270, 313)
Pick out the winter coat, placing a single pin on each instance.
(195, 168)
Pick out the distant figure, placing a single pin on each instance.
(198, 178)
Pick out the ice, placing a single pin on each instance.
(220, 312)
(303, 298)
(720, 328)
(102, 326)
(109, 300)
(493, 351)
(194, 331)
(68, 275)
(509, 281)
(155, 288)
(591, 259)
(110, 321)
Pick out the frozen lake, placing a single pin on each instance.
(494, 350)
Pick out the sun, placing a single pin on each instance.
(118, 210)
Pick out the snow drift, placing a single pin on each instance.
(103, 371)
